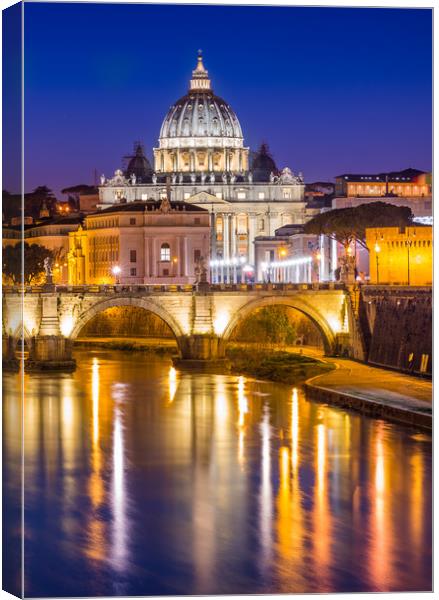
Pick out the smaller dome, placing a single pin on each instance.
(138, 164)
(263, 164)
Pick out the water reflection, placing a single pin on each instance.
(143, 480)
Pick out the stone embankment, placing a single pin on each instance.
(375, 392)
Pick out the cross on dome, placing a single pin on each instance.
(200, 76)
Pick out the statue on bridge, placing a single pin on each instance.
(48, 270)
(347, 269)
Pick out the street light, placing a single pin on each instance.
(116, 270)
(377, 251)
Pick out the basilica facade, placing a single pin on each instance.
(201, 159)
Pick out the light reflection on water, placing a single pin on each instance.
(143, 480)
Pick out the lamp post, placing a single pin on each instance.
(377, 251)
(116, 270)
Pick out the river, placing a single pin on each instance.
(140, 480)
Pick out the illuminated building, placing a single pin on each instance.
(140, 242)
(202, 156)
(410, 182)
(400, 256)
(53, 234)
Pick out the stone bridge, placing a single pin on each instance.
(202, 317)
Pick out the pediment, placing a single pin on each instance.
(205, 198)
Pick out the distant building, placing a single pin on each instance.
(53, 234)
(140, 242)
(82, 198)
(409, 182)
(400, 256)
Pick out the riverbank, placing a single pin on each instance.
(160, 346)
(374, 392)
(278, 366)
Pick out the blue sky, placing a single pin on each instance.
(331, 90)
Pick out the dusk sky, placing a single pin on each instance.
(331, 90)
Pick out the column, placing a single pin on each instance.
(212, 235)
(233, 223)
(225, 236)
(185, 259)
(251, 236)
(333, 257)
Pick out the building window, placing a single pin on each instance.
(241, 195)
(218, 195)
(261, 195)
(132, 220)
(197, 220)
(261, 225)
(165, 252)
(187, 195)
(287, 194)
(133, 256)
(197, 255)
(144, 197)
(133, 271)
(165, 272)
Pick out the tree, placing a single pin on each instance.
(347, 225)
(34, 256)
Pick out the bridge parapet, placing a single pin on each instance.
(172, 288)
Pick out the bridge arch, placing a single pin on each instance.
(144, 303)
(326, 331)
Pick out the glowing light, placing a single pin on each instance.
(321, 457)
(119, 516)
(220, 322)
(221, 406)
(377, 248)
(95, 399)
(116, 270)
(294, 430)
(67, 411)
(66, 325)
(172, 380)
(291, 262)
(265, 499)
(335, 324)
(242, 401)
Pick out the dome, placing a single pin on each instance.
(138, 164)
(201, 133)
(263, 164)
(200, 113)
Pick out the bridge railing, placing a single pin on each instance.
(172, 288)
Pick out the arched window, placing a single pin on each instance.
(165, 252)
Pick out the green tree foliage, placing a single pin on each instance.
(347, 225)
(270, 325)
(34, 256)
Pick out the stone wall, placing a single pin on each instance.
(397, 327)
